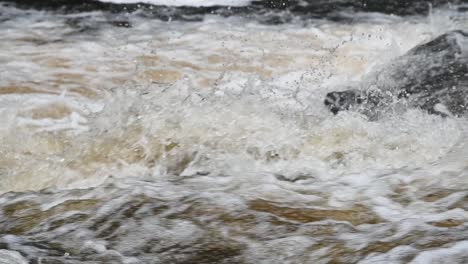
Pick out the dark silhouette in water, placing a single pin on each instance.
(432, 76)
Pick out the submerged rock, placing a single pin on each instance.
(432, 76)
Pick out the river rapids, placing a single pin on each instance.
(174, 135)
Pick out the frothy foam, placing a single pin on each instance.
(214, 134)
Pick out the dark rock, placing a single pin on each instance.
(432, 76)
(344, 100)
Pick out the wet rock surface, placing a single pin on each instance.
(432, 76)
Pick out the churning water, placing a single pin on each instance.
(130, 139)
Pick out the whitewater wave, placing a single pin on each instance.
(208, 142)
(184, 2)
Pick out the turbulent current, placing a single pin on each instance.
(174, 135)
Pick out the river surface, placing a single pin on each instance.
(127, 138)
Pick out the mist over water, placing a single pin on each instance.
(130, 139)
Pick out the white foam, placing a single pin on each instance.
(11, 257)
(456, 253)
(396, 255)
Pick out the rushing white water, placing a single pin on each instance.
(185, 2)
(209, 141)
